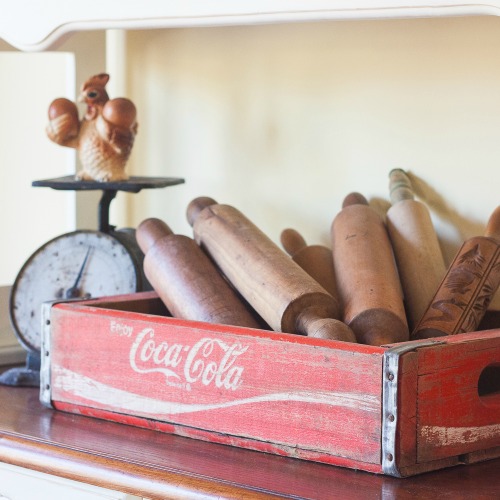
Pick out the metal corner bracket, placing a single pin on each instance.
(390, 376)
(45, 351)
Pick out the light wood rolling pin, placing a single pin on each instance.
(186, 280)
(416, 247)
(316, 260)
(366, 274)
(286, 297)
(465, 293)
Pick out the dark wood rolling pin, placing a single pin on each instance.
(366, 274)
(286, 297)
(186, 279)
(316, 260)
(416, 247)
(465, 293)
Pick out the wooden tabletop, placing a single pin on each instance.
(156, 465)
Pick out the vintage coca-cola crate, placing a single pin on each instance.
(399, 409)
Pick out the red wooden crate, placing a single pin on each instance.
(400, 409)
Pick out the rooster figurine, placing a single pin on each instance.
(103, 138)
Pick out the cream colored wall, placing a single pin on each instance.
(283, 121)
(30, 216)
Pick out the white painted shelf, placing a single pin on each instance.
(30, 25)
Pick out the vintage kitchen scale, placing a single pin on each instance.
(76, 265)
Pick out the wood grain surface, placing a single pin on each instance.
(316, 260)
(466, 290)
(366, 273)
(283, 294)
(416, 247)
(187, 280)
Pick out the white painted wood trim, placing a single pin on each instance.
(31, 25)
(17, 483)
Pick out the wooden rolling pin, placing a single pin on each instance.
(416, 247)
(366, 274)
(467, 288)
(186, 280)
(316, 260)
(286, 297)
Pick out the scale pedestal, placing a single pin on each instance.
(109, 189)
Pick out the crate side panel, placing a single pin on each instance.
(298, 395)
(453, 419)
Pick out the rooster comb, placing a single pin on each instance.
(99, 80)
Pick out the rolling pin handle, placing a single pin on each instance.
(493, 226)
(150, 231)
(292, 241)
(354, 199)
(196, 206)
(313, 324)
(400, 187)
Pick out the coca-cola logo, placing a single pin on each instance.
(209, 361)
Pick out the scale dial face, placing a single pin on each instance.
(82, 264)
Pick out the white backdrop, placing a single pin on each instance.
(30, 216)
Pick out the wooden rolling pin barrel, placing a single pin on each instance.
(186, 280)
(469, 285)
(366, 274)
(316, 260)
(286, 297)
(416, 247)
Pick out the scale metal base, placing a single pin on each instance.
(24, 376)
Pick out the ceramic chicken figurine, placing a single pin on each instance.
(103, 138)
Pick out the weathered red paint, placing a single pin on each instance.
(118, 359)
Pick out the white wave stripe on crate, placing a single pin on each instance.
(92, 390)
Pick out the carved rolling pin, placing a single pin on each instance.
(416, 247)
(316, 260)
(186, 280)
(467, 288)
(366, 274)
(286, 297)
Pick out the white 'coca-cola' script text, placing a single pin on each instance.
(208, 361)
